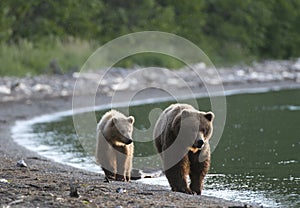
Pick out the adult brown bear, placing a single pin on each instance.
(182, 136)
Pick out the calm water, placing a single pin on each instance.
(257, 159)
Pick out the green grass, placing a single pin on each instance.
(27, 58)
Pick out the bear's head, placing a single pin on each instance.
(121, 130)
(195, 127)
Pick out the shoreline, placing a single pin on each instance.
(47, 183)
(92, 190)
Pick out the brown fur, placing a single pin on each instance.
(176, 133)
(114, 150)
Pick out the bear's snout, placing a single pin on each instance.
(127, 141)
(198, 143)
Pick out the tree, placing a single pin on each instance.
(282, 34)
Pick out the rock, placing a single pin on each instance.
(121, 190)
(137, 174)
(73, 191)
(42, 87)
(14, 85)
(21, 163)
(3, 180)
(296, 65)
(5, 90)
(23, 88)
(121, 86)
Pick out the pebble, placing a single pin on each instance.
(3, 180)
(73, 191)
(121, 190)
(4, 90)
(21, 163)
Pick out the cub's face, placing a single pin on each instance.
(196, 127)
(122, 130)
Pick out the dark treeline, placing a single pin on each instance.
(229, 30)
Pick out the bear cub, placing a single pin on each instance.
(182, 136)
(114, 148)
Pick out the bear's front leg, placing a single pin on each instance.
(128, 162)
(177, 177)
(121, 163)
(198, 170)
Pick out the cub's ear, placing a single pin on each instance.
(131, 119)
(176, 122)
(113, 121)
(209, 116)
(185, 113)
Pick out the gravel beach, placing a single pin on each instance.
(44, 183)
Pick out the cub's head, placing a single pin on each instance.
(195, 127)
(121, 130)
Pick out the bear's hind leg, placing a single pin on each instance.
(108, 165)
(109, 174)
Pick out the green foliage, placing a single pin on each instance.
(46, 56)
(282, 34)
(150, 59)
(35, 32)
(35, 19)
(122, 17)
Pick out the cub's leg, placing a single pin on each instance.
(108, 161)
(128, 163)
(121, 163)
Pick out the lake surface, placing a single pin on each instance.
(257, 159)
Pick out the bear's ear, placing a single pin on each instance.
(185, 113)
(113, 121)
(176, 122)
(209, 116)
(130, 119)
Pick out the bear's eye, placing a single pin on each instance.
(204, 131)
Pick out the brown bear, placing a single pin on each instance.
(182, 136)
(114, 150)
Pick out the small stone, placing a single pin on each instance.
(42, 87)
(73, 191)
(4, 90)
(120, 190)
(3, 180)
(21, 163)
